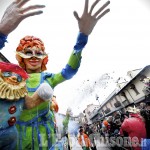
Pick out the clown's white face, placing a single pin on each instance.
(34, 63)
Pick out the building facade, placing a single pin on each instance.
(89, 111)
(127, 93)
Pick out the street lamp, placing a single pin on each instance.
(97, 98)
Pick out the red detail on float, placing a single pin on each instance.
(12, 121)
(12, 109)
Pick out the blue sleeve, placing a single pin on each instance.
(3, 39)
(68, 72)
(74, 62)
(82, 40)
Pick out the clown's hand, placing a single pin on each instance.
(45, 92)
(87, 21)
(54, 105)
(15, 13)
(42, 94)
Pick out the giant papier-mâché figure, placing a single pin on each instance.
(12, 100)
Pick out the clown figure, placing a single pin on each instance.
(12, 98)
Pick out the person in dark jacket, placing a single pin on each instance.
(146, 115)
(90, 134)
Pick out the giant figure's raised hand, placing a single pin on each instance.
(15, 13)
(88, 20)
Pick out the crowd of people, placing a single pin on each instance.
(127, 129)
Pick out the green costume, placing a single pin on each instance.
(36, 126)
(65, 129)
(65, 123)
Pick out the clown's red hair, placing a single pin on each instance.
(30, 41)
(10, 67)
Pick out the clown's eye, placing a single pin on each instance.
(39, 53)
(29, 53)
(19, 78)
(7, 74)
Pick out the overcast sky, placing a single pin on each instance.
(119, 43)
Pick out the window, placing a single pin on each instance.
(124, 95)
(117, 104)
(132, 86)
(89, 112)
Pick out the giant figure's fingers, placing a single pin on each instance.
(102, 8)
(32, 14)
(20, 3)
(29, 8)
(103, 14)
(76, 15)
(86, 6)
(93, 5)
(17, 1)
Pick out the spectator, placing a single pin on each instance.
(65, 125)
(104, 129)
(146, 115)
(80, 127)
(142, 105)
(134, 126)
(90, 134)
(114, 127)
(84, 140)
